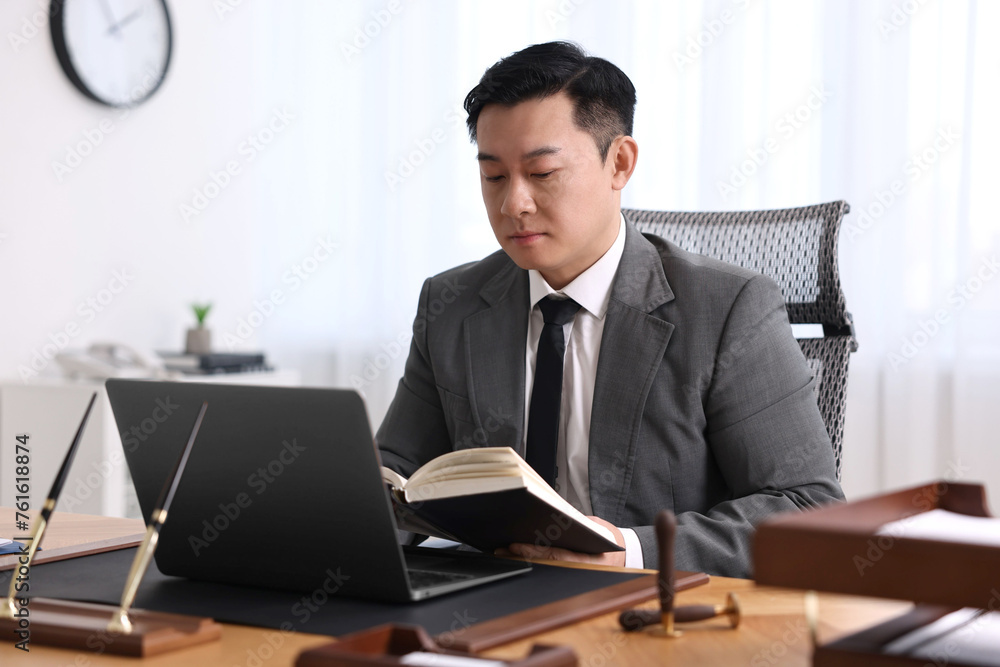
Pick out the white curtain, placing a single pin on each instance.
(890, 105)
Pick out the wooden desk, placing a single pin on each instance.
(773, 632)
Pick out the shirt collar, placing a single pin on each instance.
(592, 288)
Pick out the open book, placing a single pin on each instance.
(489, 498)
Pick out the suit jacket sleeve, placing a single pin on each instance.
(414, 430)
(764, 431)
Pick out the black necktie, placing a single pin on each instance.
(546, 391)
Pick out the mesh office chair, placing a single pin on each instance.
(797, 248)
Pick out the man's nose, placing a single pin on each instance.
(518, 199)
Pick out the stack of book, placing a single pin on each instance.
(215, 362)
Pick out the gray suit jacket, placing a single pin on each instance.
(703, 402)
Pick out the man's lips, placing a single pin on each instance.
(522, 238)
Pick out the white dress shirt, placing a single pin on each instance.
(592, 290)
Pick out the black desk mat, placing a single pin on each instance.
(101, 577)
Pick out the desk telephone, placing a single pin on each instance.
(111, 360)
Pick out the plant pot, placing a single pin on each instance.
(199, 341)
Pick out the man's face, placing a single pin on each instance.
(549, 196)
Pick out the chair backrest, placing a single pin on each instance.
(797, 248)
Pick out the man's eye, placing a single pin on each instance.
(493, 179)
(544, 174)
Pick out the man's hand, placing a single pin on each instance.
(616, 558)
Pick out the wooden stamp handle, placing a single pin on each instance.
(666, 531)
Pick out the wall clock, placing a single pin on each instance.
(115, 52)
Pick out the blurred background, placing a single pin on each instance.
(356, 180)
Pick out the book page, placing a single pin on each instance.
(393, 478)
(453, 487)
(946, 526)
(480, 456)
(467, 471)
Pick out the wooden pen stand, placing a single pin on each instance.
(386, 644)
(84, 627)
(838, 549)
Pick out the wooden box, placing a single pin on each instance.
(838, 549)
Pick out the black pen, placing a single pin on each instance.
(7, 610)
(120, 622)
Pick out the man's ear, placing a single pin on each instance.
(623, 153)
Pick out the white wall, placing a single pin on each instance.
(231, 76)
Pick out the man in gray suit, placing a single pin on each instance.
(682, 386)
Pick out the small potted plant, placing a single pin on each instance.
(199, 339)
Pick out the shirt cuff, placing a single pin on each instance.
(633, 549)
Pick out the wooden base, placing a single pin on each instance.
(84, 626)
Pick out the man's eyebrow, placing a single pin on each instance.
(538, 152)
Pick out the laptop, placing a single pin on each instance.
(282, 490)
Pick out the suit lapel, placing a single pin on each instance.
(632, 347)
(495, 341)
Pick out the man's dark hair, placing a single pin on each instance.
(603, 97)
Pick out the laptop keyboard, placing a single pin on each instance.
(428, 578)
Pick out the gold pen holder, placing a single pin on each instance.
(100, 628)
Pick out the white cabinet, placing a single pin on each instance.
(48, 412)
